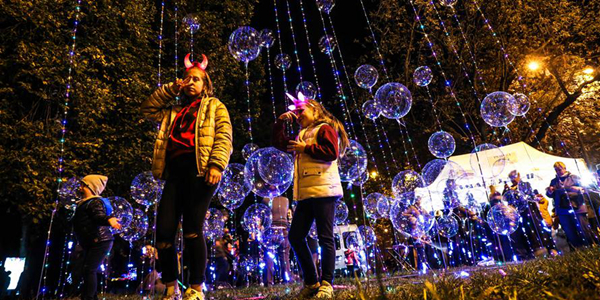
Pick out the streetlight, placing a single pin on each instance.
(588, 70)
(533, 65)
(374, 174)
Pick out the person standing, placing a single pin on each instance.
(92, 224)
(317, 187)
(192, 149)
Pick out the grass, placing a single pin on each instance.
(573, 276)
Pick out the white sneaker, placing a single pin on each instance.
(192, 294)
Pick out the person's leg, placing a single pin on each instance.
(284, 257)
(569, 225)
(301, 223)
(94, 256)
(324, 210)
(195, 207)
(167, 221)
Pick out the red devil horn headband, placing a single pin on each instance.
(189, 64)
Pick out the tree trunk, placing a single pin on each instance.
(552, 118)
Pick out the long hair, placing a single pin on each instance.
(324, 116)
(207, 88)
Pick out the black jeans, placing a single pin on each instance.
(93, 255)
(321, 211)
(187, 194)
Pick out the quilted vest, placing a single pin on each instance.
(315, 178)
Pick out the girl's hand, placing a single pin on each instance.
(114, 223)
(213, 176)
(180, 84)
(296, 146)
(288, 116)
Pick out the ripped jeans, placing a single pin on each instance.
(185, 194)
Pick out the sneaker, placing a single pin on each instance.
(192, 294)
(308, 291)
(325, 291)
(173, 296)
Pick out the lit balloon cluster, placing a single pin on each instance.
(269, 172)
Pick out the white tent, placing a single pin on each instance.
(474, 173)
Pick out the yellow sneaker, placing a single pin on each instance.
(325, 291)
(192, 294)
(308, 291)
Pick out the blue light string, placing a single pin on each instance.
(312, 58)
(285, 88)
(271, 82)
(160, 42)
(299, 66)
(381, 60)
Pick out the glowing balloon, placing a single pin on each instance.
(244, 44)
(146, 190)
(234, 188)
(353, 240)
(362, 179)
(283, 61)
(191, 22)
(495, 109)
(383, 207)
(122, 210)
(68, 194)
(367, 234)
(327, 44)
(442, 169)
(503, 219)
(366, 76)
(308, 89)
(441, 144)
(353, 162)
(370, 204)
(370, 110)
(267, 39)
(422, 76)
(447, 226)
(516, 199)
(257, 218)
(274, 237)
(519, 105)
(406, 182)
(248, 150)
(325, 5)
(275, 167)
(137, 228)
(394, 100)
(411, 222)
(487, 160)
(254, 179)
(341, 212)
(214, 224)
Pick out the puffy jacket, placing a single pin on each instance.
(91, 221)
(213, 134)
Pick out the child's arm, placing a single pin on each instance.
(279, 139)
(155, 107)
(326, 147)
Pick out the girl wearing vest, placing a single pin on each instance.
(317, 187)
(191, 151)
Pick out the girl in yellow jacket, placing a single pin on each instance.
(191, 151)
(317, 187)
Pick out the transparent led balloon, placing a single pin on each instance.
(234, 188)
(411, 222)
(354, 241)
(327, 44)
(394, 100)
(422, 76)
(214, 223)
(516, 199)
(308, 89)
(283, 61)
(366, 76)
(439, 168)
(383, 207)
(519, 105)
(68, 194)
(267, 38)
(248, 149)
(191, 23)
(137, 228)
(275, 167)
(370, 203)
(441, 144)
(487, 160)
(406, 182)
(325, 5)
(353, 162)
(341, 212)
(446, 226)
(244, 44)
(257, 218)
(367, 234)
(406, 199)
(362, 179)
(254, 179)
(370, 110)
(146, 190)
(122, 210)
(495, 109)
(274, 237)
(503, 219)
